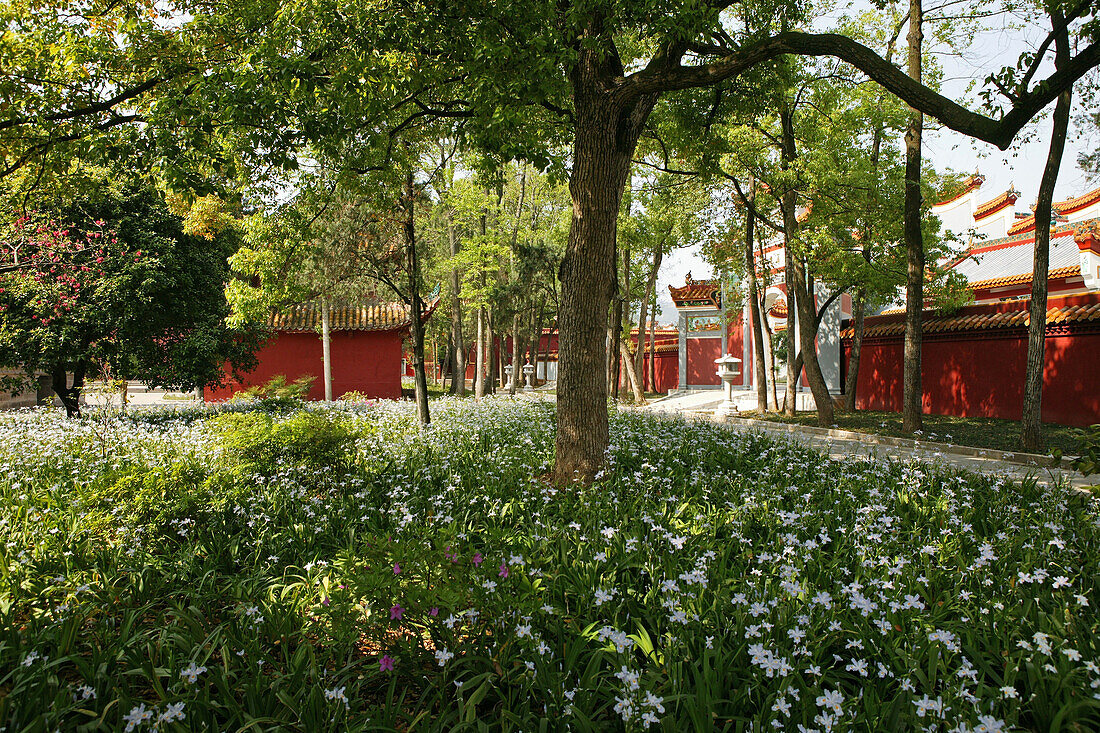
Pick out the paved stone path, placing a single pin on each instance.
(840, 444)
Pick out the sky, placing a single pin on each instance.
(1020, 166)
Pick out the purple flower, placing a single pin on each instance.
(503, 571)
(385, 664)
(395, 613)
(478, 559)
(433, 611)
(396, 569)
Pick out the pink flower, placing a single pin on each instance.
(385, 664)
(433, 611)
(503, 571)
(478, 559)
(395, 613)
(396, 569)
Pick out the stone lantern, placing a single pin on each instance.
(528, 375)
(728, 368)
(508, 372)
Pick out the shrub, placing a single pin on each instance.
(263, 442)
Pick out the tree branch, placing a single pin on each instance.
(953, 115)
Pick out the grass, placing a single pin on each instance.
(976, 432)
(279, 566)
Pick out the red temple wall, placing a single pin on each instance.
(701, 353)
(362, 361)
(983, 376)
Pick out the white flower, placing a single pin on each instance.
(1009, 693)
(337, 693)
(192, 673)
(1072, 654)
(136, 717)
(443, 656)
(171, 713)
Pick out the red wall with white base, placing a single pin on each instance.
(981, 374)
(362, 361)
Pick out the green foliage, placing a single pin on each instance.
(258, 441)
(164, 573)
(276, 388)
(103, 293)
(1087, 447)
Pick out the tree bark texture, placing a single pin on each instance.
(1031, 423)
(912, 389)
(606, 134)
(790, 224)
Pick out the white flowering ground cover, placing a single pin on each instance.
(338, 569)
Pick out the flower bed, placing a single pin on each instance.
(338, 569)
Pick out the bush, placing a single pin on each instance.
(261, 442)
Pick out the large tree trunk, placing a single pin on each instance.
(759, 368)
(606, 135)
(458, 379)
(859, 309)
(1031, 424)
(416, 305)
(912, 390)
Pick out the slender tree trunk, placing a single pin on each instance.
(859, 309)
(479, 363)
(912, 389)
(326, 348)
(1031, 424)
(517, 354)
(493, 356)
(653, 325)
(787, 204)
(614, 354)
(644, 317)
(416, 305)
(606, 134)
(759, 367)
(632, 374)
(536, 340)
(458, 380)
(803, 290)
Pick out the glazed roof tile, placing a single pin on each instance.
(991, 207)
(380, 316)
(708, 290)
(984, 321)
(1013, 264)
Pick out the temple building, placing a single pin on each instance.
(973, 361)
(703, 321)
